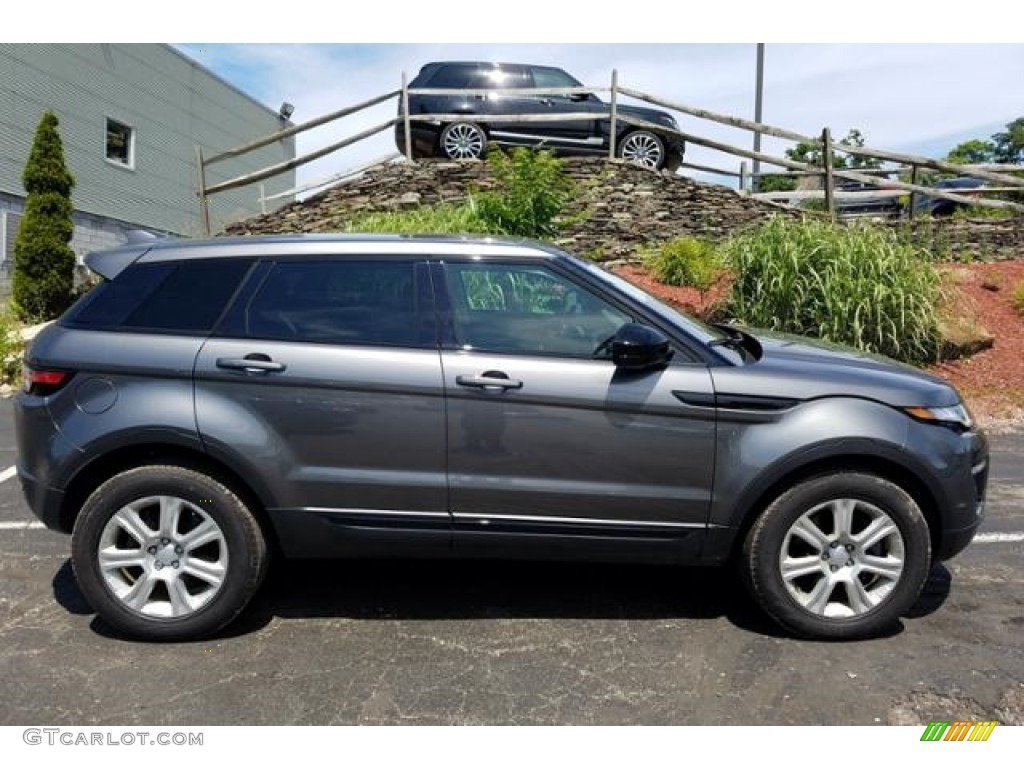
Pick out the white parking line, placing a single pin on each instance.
(18, 525)
(988, 538)
(7, 474)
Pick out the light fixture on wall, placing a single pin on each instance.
(286, 110)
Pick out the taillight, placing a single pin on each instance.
(43, 382)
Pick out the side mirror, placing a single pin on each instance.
(638, 347)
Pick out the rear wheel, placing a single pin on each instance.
(167, 553)
(463, 141)
(643, 148)
(839, 556)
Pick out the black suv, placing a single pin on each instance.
(469, 137)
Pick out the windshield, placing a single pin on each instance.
(701, 331)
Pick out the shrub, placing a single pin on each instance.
(531, 189)
(11, 349)
(858, 285)
(44, 264)
(1018, 298)
(685, 261)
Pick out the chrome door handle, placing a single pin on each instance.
(250, 364)
(489, 381)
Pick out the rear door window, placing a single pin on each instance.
(342, 302)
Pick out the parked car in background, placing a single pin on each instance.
(867, 205)
(926, 205)
(469, 137)
(211, 402)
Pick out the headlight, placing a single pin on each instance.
(950, 415)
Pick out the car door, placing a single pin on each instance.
(324, 383)
(581, 135)
(549, 447)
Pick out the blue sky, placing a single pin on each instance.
(921, 98)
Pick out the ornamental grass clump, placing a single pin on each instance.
(858, 285)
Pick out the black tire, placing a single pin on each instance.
(462, 141)
(849, 611)
(643, 148)
(202, 500)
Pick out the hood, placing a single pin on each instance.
(648, 114)
(805, 369)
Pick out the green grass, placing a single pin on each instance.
(685, 261)
(436, 220)
(860, 285)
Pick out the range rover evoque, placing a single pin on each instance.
(469, 136)
(358, 396)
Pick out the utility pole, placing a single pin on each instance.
(755, 181)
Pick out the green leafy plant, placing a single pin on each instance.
(1018, 298)
(531, 189)
(859, 285)
(685, 261)
(11, 348)
(44, 264)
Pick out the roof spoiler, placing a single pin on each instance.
(140, 236)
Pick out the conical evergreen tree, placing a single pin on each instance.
(44, 264)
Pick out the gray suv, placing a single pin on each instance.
(359, 396)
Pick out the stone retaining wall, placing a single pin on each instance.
(619, 207)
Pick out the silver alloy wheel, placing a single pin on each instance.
(163, 556)
(642, 148)
(463, 141)
(842, 558)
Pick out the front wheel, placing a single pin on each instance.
(840, 556)
(167, 553)
(643, 148)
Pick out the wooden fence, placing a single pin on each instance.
(996, 175)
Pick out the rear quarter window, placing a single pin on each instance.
(174, 297)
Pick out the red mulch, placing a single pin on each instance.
(992, 381)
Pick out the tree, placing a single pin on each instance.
(811, 154)
(972, 152)
(1009, 144)
(44, 264)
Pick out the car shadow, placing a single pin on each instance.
(438, 590)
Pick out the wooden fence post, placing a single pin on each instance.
(913, 180)
(614, 114)
(826, 157)
(743, 177)
(407, 127)
(204, 202)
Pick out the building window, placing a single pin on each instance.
(120, 143)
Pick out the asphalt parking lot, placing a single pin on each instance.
(513, 643)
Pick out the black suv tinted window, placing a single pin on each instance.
(453, 76)
(549, 77)
(472, 76)
(344, 302)
(185, 297)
